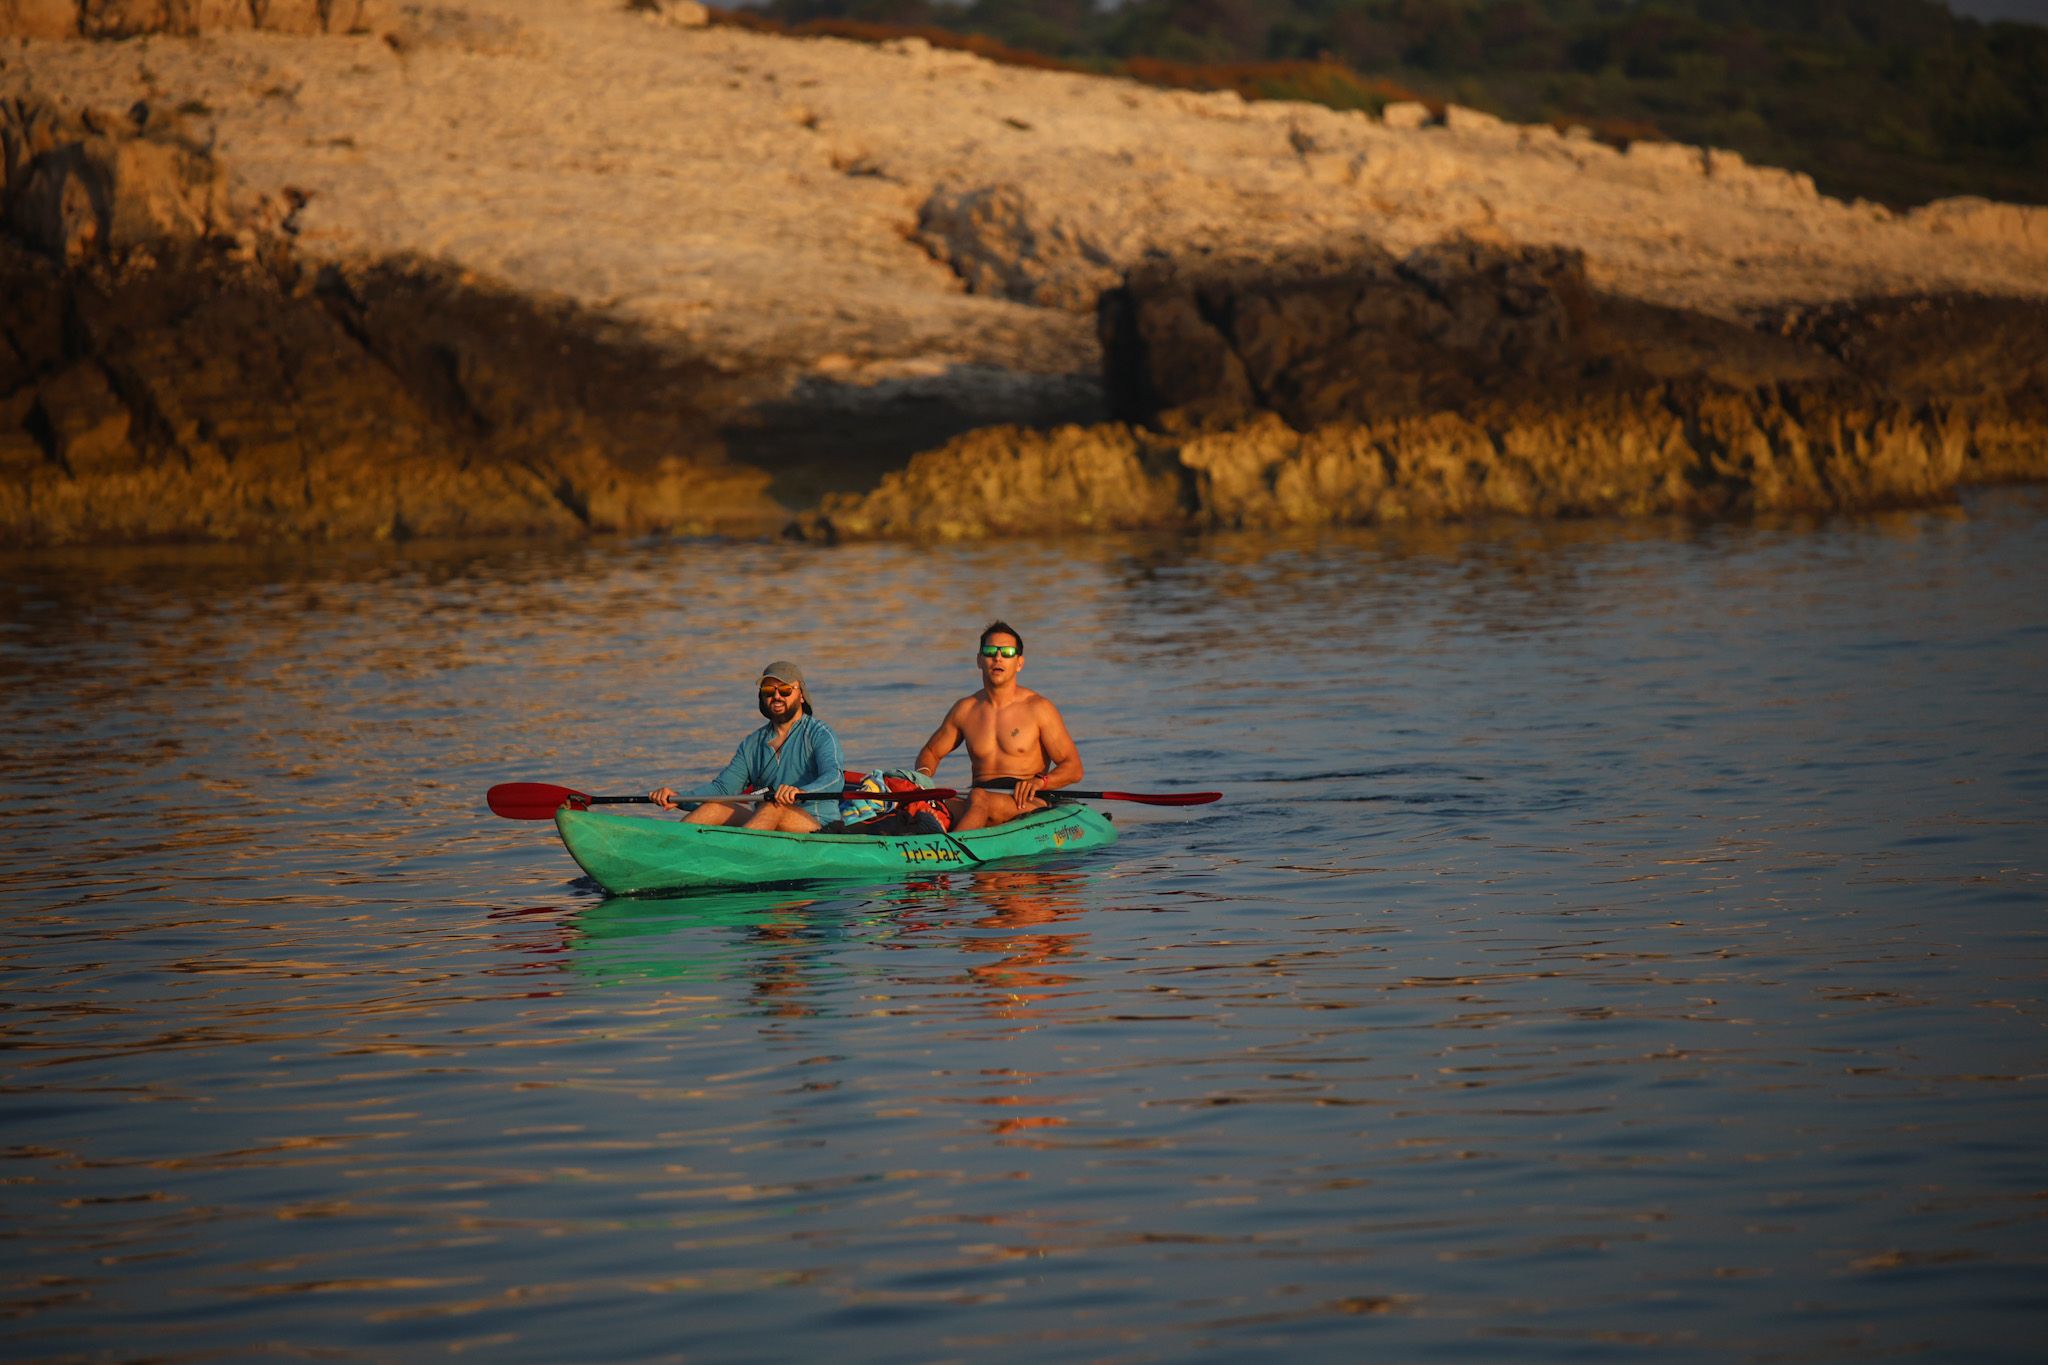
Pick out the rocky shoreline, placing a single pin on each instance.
(201, 346)
(1469, 381)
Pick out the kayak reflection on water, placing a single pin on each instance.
(709, 935)
(784, 945)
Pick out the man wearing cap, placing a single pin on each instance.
(793, 753)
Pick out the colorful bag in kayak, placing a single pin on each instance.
(858, 810)
(863, 811)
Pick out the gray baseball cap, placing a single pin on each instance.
(782, 670)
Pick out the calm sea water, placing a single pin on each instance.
(1617, 942)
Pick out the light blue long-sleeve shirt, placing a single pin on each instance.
(810, 761)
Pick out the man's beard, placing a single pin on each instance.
(796, 706)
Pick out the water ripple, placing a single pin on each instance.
(1615, 940)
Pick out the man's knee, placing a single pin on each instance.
(784, 819)
(988, 808)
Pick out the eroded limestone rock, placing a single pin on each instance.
(222, 399)
(39, 18)
(1007, 481)
(99, 182)
(993, 238)
(677, 13)
(1208, 341)
(170, 369)
(830, 254)
(112, 19)
(2022, 226)
(1470, 381)
(1719, 454)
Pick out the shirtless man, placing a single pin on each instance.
(1011, 732)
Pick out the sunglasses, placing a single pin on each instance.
(1000, 651)
(779, 693)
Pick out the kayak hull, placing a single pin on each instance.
(628, 855)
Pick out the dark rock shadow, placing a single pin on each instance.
(833, 436)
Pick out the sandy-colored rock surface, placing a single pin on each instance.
(891, 245)
(783, 198)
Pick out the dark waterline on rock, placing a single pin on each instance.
(1618, 940)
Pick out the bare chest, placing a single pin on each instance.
(1011, 729)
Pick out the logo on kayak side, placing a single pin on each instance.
(912, 853)
(1060, 837)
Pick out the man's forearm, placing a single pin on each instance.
(1064, 774)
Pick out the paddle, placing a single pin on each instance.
(1142, 798)
(540, 800)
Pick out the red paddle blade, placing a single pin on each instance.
(530, 800)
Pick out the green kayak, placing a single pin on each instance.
(627, 854)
